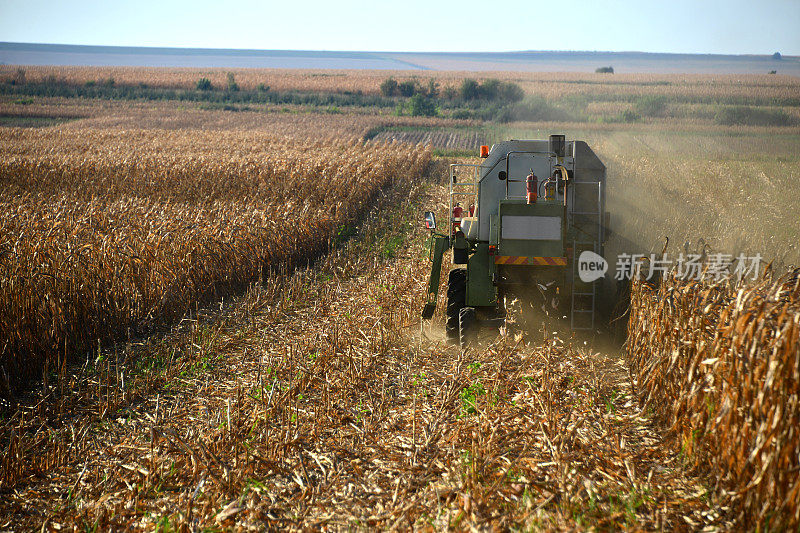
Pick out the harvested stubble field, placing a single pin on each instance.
(441, 139)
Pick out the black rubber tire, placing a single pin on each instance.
(456, 299)
(466, 327)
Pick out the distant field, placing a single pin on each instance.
(623, 62)
(604, 87)
(527, 61)
(673, 101)
(690, 157)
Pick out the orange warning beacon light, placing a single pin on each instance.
(484, 151)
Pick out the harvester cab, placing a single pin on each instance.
(534, 207)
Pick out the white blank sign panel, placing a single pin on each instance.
(531, 228)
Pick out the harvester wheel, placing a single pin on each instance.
(456, 299)
(466, 326)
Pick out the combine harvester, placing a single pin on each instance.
(520, 224)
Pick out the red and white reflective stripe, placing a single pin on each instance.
(523, 260)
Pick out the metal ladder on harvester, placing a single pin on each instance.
(590, 228)
(466, 190)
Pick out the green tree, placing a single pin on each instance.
(450, 93)
(232, 85)
(510, 92)
(389, 87)
(419, 106)
(407, 88)
(490, 89)
(470, 89)
(204, 84)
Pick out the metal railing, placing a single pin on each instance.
(465, 189)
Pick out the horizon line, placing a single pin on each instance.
(151, 47)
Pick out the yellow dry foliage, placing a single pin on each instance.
(718, 364)
(107, 232)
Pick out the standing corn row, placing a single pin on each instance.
(97, 242)
(720, 367)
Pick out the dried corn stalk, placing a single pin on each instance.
(720, 366)
(104, 233)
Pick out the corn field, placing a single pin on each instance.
(313, 400)
(106, 234)
(720, 366)
(264, 269)
(548, 84)
(310, 403)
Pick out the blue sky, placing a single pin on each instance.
(699, 26)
